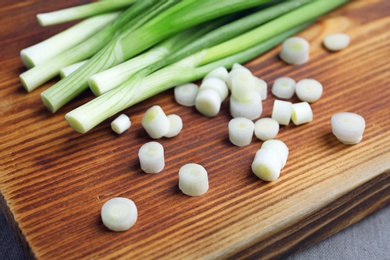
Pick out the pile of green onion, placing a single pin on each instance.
(134, 49)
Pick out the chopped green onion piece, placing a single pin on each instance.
(279, 147)
(301, 113)
(217, 84)
(119, 214)
(295, 50)
(261, 87)
(208, 102)
(309, 90)
(155, 122)
(185, 94)
(82, 11)
(251, 109)
(266, 128)
(121, 124)
(242, 85)
(348, 127)
(241, 131)
(283, 87)
(193, 179)
(220, 73)
(336, 41)
(175, 125)
(266, 165)
(151, 157)
(281, 112)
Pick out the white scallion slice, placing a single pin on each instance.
(121, 124)
(242, 85)
(261, 87)
(208, 102)
(266, 128)
(301, 113)
(251, 109)
(295, 50)
(283, 87)
(220, 73)
(348, 127)
(217, 84)
(193, 179)
(281, 112)
(151, 157)
(279, 147)
(266, 165)
(175, 125)
(119, 214)
(155, 122)
(240, 131)
(185, 94)
(235, 67)
(309, 90)
(238, 66)
(336, 41)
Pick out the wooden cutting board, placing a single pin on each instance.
(54, 181)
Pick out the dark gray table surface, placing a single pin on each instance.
(368, 239)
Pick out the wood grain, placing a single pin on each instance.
(53, 181)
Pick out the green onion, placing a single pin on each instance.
(139, 88)
(38, 75)
(111, 78)
(194, 67)
(181, 16)
(55, 45)
(169, 49)
(82, 11)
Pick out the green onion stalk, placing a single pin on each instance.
(82, 11)
(108, 79)
(170, 51)
(241, 49)
(180, 16)
(58, 43)
(38, 75)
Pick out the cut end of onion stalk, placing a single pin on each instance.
(301, 113)
(220, 73)
(295, 50)
(348, 127)
(208, 102)
(266, 164)
(193, 179)
(240, 131)
(175, 125)
(336, 41)
(281, 112)
(185, 94)
(242, 84)
(279, 147)
(155, 122)
(217, 84)
(283, 87)
(151, 157)
(309, 90)
(266, 128)
(261, 87)
(251, 109)
(119, 214)
(121, 124)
